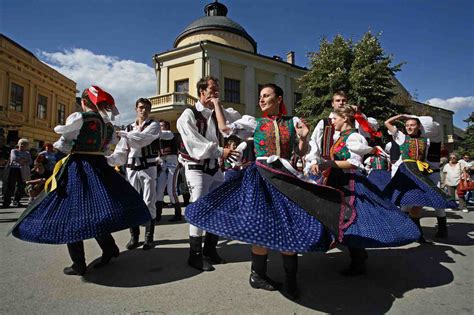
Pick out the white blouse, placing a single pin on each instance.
(358, 147)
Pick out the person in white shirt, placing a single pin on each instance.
(138, 150)
(453, 172)
(202, 154)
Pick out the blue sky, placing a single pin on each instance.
(102, 41)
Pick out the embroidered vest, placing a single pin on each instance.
(327, 140)
(378, 163)
(270, 141)
(153, 149)
(340, 151)
(169, 147)
(95, 134)
(413, 148)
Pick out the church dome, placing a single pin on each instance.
(216, 26)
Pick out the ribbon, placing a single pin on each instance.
(51, 183)
(422, 166)
(364, 124)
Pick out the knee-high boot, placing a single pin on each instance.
(357, 265)
(210, 251)
(109, 249)
(422, 239)
(290, 264)
(134, 234)
(76, 252)
(177, 213)
(258, 274)
(442, 228)
(195, 259)
(149, 232)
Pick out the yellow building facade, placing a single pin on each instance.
(34, 97)
(216, 45)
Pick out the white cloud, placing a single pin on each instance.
(453, 103)
(126, 80)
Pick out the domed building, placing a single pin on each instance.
(216, 45)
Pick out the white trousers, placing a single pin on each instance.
(168, 179)
(199, 184)
(144, 182)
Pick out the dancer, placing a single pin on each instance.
(410, 187)
(168, 175)
(139, 147)
(84, 197)
(202, 153)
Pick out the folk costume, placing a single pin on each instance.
(168, 174)
(200, 153)
(84, 198)
(138, 149)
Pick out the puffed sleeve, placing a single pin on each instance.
(69, 132)
(231, 115)
(140, 139)
(314, 155)
(243, 127)
(197, 145)
(358, 147)
(119, 156)
(398, 136)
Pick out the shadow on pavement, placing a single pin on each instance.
(390, 274)
(137, 268)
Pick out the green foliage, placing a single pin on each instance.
(362, 69)
(467, 145)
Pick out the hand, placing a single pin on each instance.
(230, 154)
(315, 170)
(302, 130)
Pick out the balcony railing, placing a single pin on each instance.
(176, 98)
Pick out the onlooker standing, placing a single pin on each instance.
(468, 166)
(453, 172)
(50, 158)
(4, 156)
(19, 173)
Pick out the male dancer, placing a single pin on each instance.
(141, 173)
(202, 153)
(168, 175)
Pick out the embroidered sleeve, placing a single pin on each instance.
(69, 132)
(358, 147)
(197, 145)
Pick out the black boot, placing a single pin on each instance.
(210, 251)
(149, 232)
(195, 255)
(177, 213)
(442, 228)
(109, 249)
(290, 264)
(422, 239)
(186, 198)
(357, 265)
(159, 210)
(134, 234)
(76, 252)
(258, 274)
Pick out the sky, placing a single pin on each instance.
(111, 43)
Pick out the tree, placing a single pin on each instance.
(363, 70)
(467, 145)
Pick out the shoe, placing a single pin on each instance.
(195, 255)
(75, 270)
(106, 257)
(134, 234)
(258, 282)
(149, 232)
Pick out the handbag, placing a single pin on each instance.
(464, 185)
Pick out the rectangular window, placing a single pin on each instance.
(231, 90)
(181, 86)
(42, 106)
(61, 114)
(16, 97)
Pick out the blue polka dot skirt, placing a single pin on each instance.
(378, 222)
(409, 187)
(247, 207)
(91, 199)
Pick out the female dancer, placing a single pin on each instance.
(410, 186)
(373, 221)
(85, 197)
